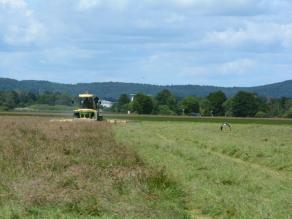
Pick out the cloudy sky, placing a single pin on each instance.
(206, 42)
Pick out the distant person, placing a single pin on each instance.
(225, 125)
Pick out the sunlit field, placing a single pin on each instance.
(78, 170)
(243, 173)
(143, 169)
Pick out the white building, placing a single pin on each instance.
(132, 97)
(106, 103)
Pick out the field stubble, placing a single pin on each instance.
(72, 170)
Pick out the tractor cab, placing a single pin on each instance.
(89, 107)
(86, 101)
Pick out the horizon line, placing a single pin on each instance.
(167, 85)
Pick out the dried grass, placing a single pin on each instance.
(79, 169)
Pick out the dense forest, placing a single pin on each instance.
(112, 90)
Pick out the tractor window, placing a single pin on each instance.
(86, 103)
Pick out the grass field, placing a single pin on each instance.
(158, 118)
(245, 173)
(78, 170)
(144, 169)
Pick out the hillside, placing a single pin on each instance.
(114, 89)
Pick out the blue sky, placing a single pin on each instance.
(206, 42)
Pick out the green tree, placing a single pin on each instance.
(62, 99)
(190, 105)
(245, 104)
(26, 98)
(274, 108)
(114, 108)
(123, 99)
(206, 107)
(123, 103)
(289, 114)
(11, 99)
(227, 105)
(47, 98)
(216, 100)
(165, 97)
(283, 104)
(142, 104)
(165, 110)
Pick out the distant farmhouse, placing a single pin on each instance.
(106, 103)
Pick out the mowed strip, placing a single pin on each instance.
(52, 169)
(264, 169)
(245, 173)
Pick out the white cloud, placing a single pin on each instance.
(196, 6)
(166, 41)
(236, 67)
(21, 34)
(88, 4)
(84, 5)
(194, 71)
(20, 26)
(253, 33)
(67, 54)
(214, 6)
(13, 3)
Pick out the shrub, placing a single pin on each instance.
(261, 114)
(3, 108)
(165, 110)
(289, 114)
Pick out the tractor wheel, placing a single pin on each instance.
(76, 115)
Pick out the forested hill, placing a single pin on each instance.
(114, 89)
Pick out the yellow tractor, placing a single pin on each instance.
(89, 107)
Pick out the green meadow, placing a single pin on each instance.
(243, 173)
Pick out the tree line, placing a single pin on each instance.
(13, 99)
(243, 104)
